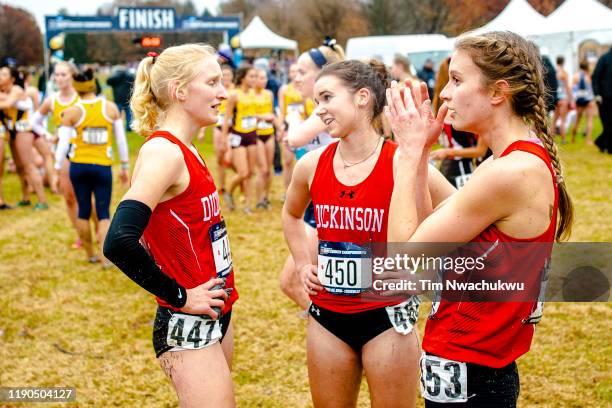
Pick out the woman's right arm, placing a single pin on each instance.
(281, 104)
(229, 115)
(12, 97)
(298, 197)
(300, 133)
(158, 168)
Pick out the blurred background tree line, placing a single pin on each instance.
(308, 22)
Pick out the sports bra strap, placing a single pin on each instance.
(533, 148)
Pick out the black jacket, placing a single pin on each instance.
(602, 76)
(121, 82)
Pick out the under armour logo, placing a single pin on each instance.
(315, 310)
(351, 194)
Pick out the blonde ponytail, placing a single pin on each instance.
(145, 110)
(151, 96)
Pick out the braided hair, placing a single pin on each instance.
(503, 55)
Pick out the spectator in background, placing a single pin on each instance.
(122, 80)
(428, 75)
(550, 83)
(565, 99)
(582, 86)
(401, 69)
(602, 88)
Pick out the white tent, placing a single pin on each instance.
(258, 35)
(385, 47)
(518, 16)
(572, 23)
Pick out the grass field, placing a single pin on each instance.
(64, 322)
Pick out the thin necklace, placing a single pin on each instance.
(347, 164)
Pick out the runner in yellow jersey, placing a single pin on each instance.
(222, 152)
(15, 121)
(242, 137)
(265, 138)
(54, 105)
(89, 124)
(289, 100)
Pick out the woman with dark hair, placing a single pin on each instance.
(241, 136)
(85, 134)
(14, 117)
(350, 183)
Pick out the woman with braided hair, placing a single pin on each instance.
(517, 196)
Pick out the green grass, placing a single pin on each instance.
(64, 322)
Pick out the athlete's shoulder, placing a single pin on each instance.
(311, 159)
(112, 111)
(161, 151)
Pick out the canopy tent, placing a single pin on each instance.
(571, 24)
(385, 47)
(258, 35)
(518, 16)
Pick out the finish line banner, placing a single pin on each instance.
(139, 19)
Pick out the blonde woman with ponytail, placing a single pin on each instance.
(517, 196)
(173, 204)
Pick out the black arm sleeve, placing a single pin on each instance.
(122, 247)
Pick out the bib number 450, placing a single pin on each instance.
(341, 271)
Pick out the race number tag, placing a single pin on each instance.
(23, 126)
(249, 122)
(442, 380)
(295, 107)
(221, 249)
(344, 268)
(234, 140)
(461, 180)
(263, 125)
(192, 332)
(95, 136)
(403, 317)
(220, 119)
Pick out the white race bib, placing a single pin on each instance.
(221, 249)
(442, 380)
(220, 119)
(192, 332)
(461, 180)
(23, 126)
(295, 107)
(95, 136)
(403, 317)
(234, 140)
(248, 122)
(263, 125)
(344, 268)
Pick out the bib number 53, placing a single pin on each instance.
(442, 380)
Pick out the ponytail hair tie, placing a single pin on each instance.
(329, 42)
(153, 55)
